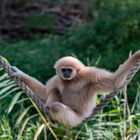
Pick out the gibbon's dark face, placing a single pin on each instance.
(67, 73)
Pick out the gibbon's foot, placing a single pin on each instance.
(55, 107)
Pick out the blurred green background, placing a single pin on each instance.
(35, 33)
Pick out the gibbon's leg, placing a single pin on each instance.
(36, 86)
(64, 115)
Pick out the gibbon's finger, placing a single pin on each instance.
(16, 72)
(138, 51)
(15, 69)
(136, 56)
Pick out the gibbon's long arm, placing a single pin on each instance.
(36, 86)
(123, 70)
(107, 81)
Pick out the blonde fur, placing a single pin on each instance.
(70, 101)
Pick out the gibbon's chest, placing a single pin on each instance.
(71, 97)
(73, 94)
(71, 90)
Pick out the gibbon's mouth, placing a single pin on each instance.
(66, 77)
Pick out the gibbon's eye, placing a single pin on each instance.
(66, 70)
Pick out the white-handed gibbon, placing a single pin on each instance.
(71, 93)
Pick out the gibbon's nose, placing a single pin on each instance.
(66, 74)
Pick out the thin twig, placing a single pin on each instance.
(124, 113)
